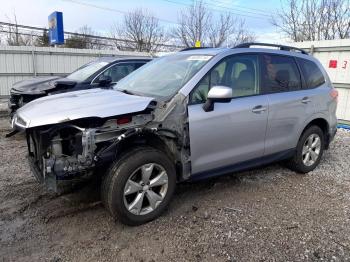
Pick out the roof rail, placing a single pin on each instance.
(192, 48)
(281, 47)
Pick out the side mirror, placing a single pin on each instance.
(104, 80)
(218, 94)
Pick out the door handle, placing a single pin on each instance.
(259, 109)
(306, 100)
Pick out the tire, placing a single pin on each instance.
(129, 173)
(299, 162)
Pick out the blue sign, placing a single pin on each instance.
(56, 33)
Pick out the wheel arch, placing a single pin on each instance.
(154, 140)
(321, 123)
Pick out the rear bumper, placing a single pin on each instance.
(333, 134)
(330, 136)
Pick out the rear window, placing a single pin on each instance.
(279, 74)
(312, 74)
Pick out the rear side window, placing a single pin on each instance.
(312, 73)
(279, 74)
(119, 71)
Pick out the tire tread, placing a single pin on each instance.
(295, 163)
(114, 174)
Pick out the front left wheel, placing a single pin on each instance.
(139, 186)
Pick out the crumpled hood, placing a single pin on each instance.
(79, 104)
(36, 85)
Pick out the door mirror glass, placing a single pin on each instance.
(219, 94)
(104, 80)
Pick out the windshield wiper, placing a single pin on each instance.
(126, 91)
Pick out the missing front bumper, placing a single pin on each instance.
(56, 183)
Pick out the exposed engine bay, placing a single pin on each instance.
(69, 152)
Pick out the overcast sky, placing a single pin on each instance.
(103, 13)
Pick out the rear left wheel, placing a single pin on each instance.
(309, 150)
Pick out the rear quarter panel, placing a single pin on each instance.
(325, 108)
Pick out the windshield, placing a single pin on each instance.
(163, 77)
(86, 71)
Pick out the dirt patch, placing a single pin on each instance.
(267, 214)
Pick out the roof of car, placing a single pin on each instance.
(228, 51)
(111, 59)
(204, 51)
(249, 47)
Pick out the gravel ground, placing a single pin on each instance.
(267, 214)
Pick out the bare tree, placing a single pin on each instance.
(198, 23)
(141, 31)
(240, 35)
(340, 9)
(117, 32)
(310, 20)
(14, 36)
(42, 40)
(193, 25)
(84, 39)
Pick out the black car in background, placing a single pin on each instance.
(103, 72)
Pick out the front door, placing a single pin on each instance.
(233, 132)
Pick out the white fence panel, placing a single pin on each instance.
(334, 55)
(19, 63)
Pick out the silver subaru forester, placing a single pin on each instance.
(191, 115)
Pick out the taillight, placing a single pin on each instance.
(334, 94)
(124, 120)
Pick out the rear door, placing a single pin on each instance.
(233, 132)
(290, 105)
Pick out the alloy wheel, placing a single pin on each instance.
(145, 189)
(311, 149)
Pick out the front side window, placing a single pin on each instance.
(238, 72)
(164, 76)
(119, 71)
(279, 74)
(84, 72)
(312, 74)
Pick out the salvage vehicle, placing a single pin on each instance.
(187, 116)
(103, 72)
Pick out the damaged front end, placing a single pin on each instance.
(66, 154)
(93, 128)
(60, 154)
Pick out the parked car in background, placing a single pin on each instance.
(103, 72)
(187, 116)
